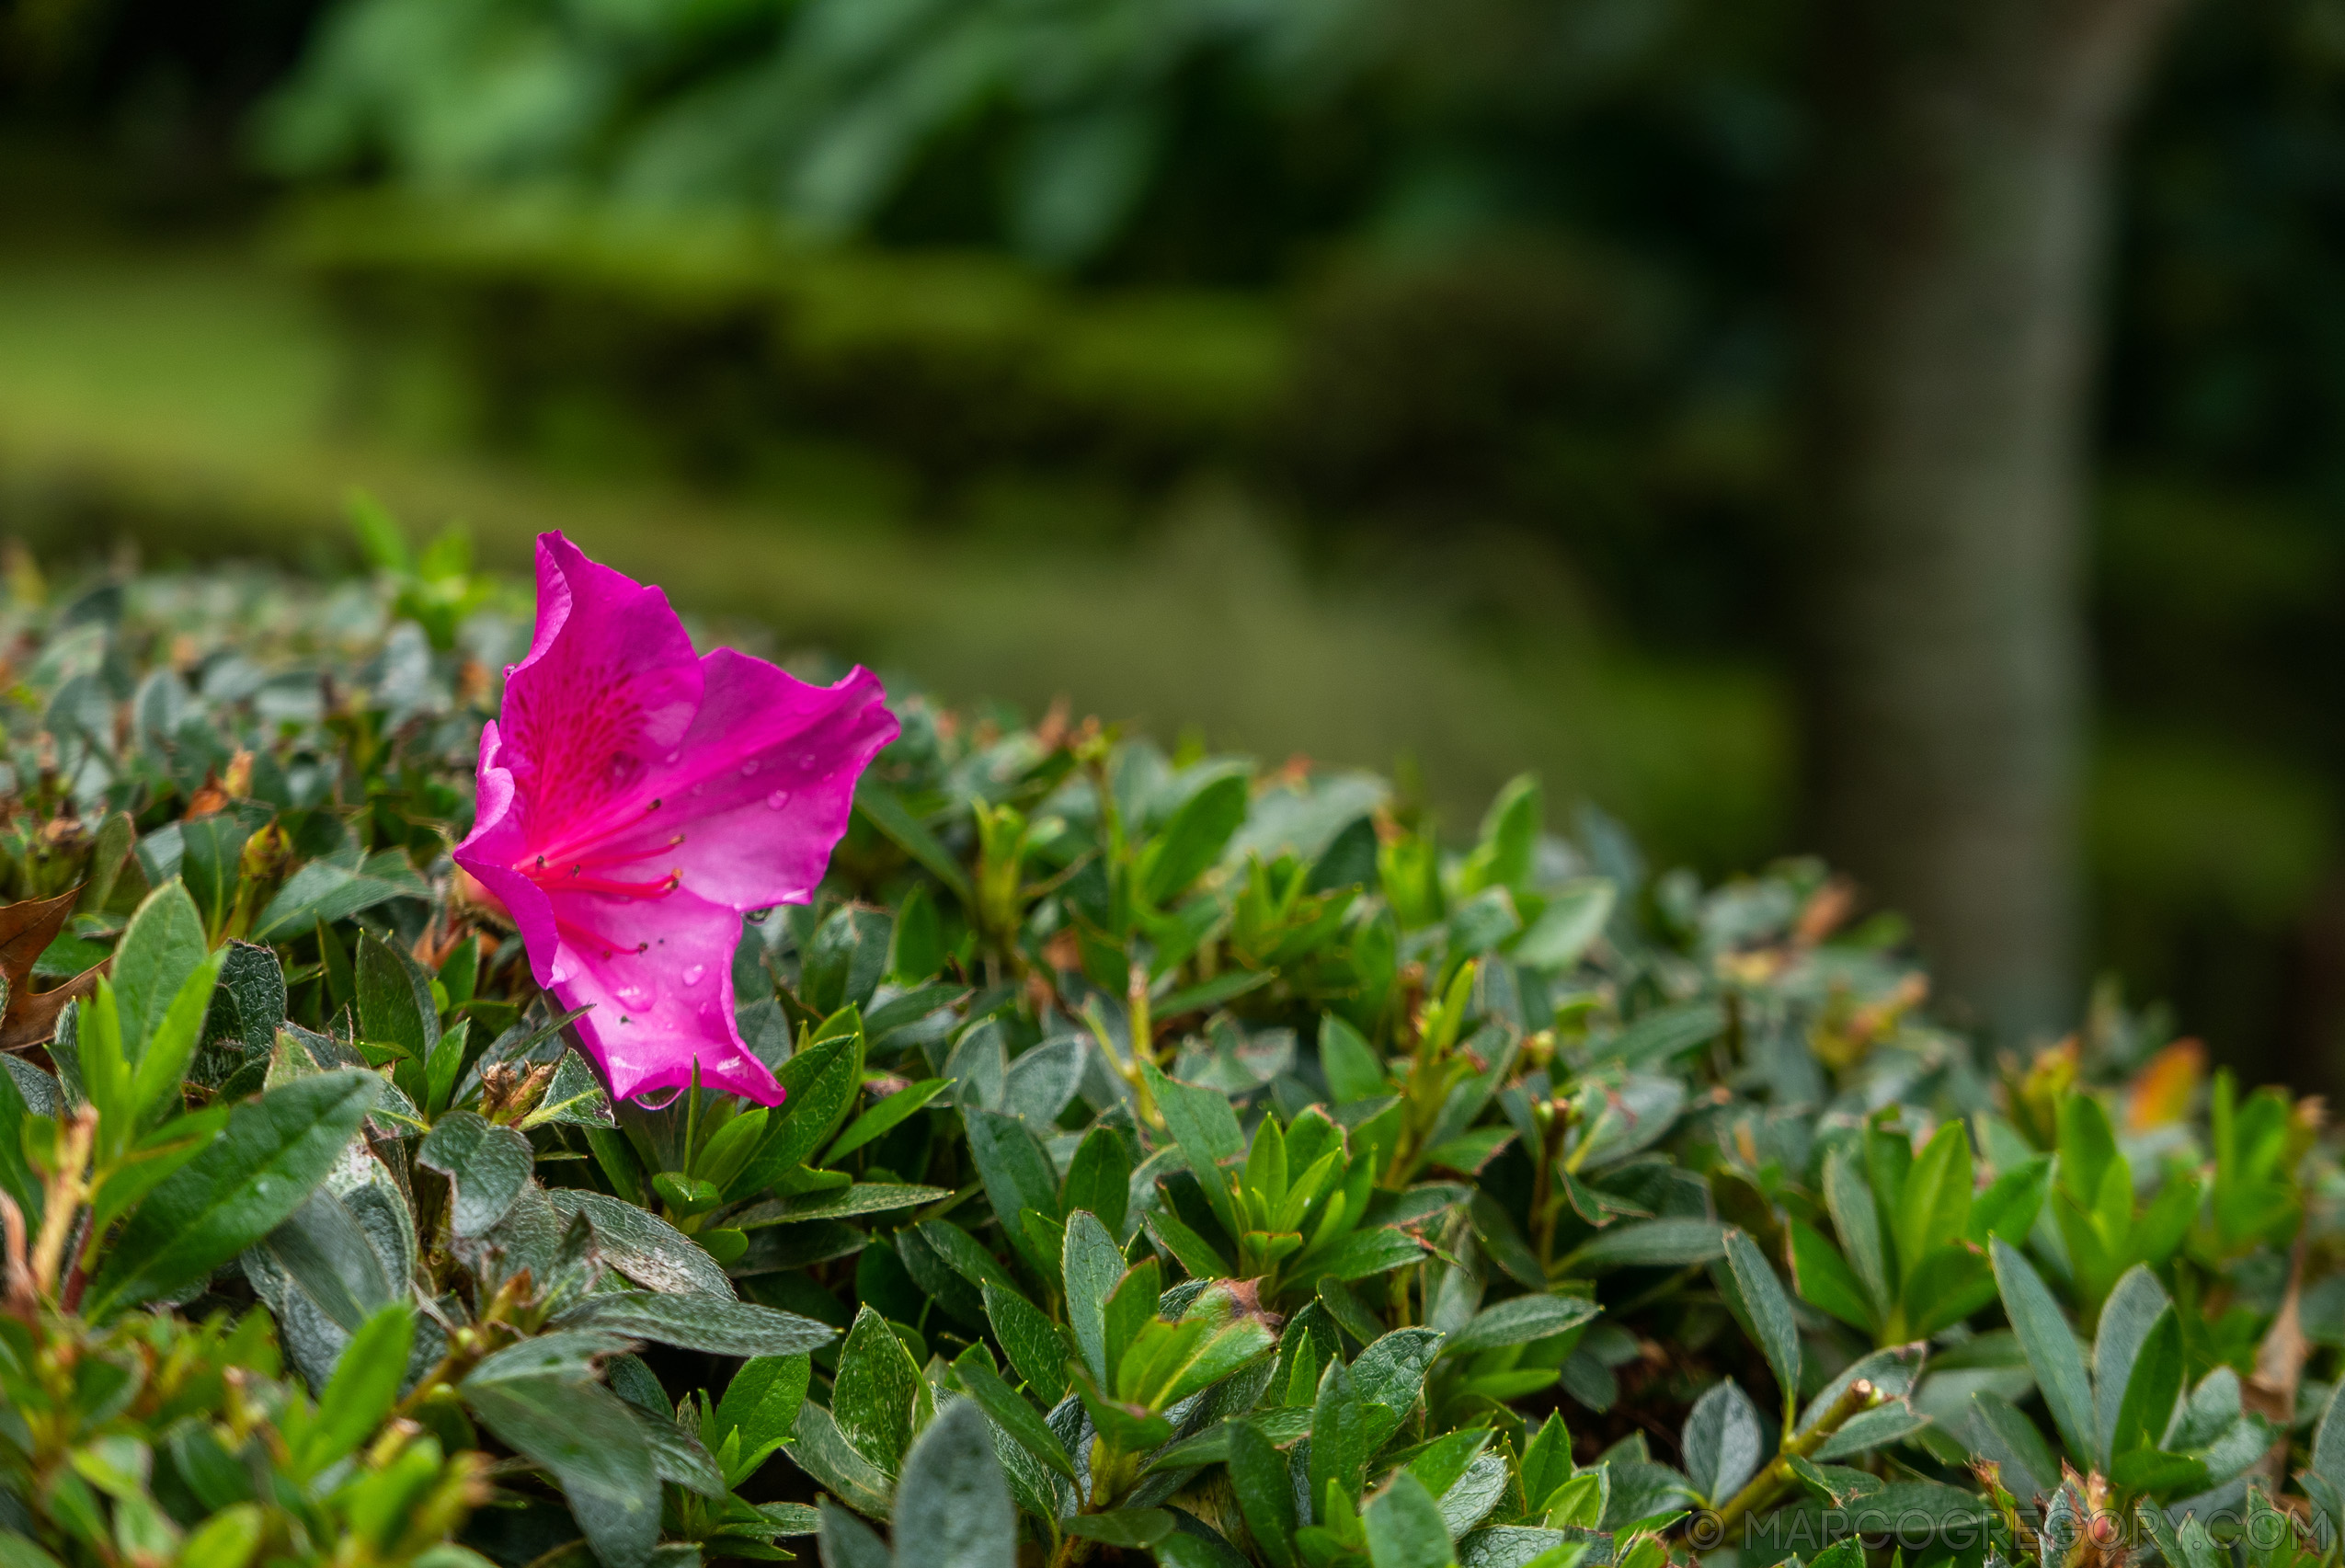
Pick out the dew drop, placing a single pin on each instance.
(633, 996)
(749, 767)
(778, 799)
(673, 755)
(693, 972)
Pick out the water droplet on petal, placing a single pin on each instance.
(633, 995)
(673, 755)
(749, 767)
(778, 799)
(693, 972)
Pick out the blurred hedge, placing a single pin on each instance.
(1521, 380)
(708, 336)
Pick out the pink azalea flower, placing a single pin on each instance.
(637, 799)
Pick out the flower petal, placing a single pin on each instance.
(658, 975)
(764, 785)
(497, 843)
(605, 695)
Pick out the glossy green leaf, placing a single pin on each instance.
(817, 1446)
(1206, 1128)
(322, 1248)
(886, 1117)
(2328, 1447)
(848, 1542)
(1361, 1256)
(1091, 1266)
(1857, 1220)
(486, 1167)
(1351, 1069)
(162, 1064)
(1723, 1441)
(1193, 840)
(1010, 1410)
(717, 1324)
(1769, 1313)
(644, 1247)
(1131, 1529)
(1661, 1035)
(953, 1499)
(880, 806)
(1948, 1284)
(2127, 1318)
(2152, 1389)
(583, 1435)
(1130, 1309)
(875, 1391)
(1869, 1429)
(395, 1001)
(1192, 1251)
(761, 1403)
(1260, 1475)
(2154, 1470)
(1520, 1322)
(2009, 1206)
(1100, 1179)
(364, 1386)
(836, 1203)
(1826, 1281)
(273, 1151)
(1935, 1208)
(1030, 1341)
(1404, 1526)
(1575, 915)
(161, 947)
(2051, 1347)
(17, 1177)
(1014, 1166)
(2000, 1432)
(1651, 1243)
(227, 1540)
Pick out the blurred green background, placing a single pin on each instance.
(1390, 385)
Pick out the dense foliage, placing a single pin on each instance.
(1180, 1157)
(1219, 142)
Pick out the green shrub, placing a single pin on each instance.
(1180, 1158)
(1523, 383)
(710, 342)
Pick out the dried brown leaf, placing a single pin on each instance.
(25, 931)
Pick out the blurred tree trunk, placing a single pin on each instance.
(1952, 251)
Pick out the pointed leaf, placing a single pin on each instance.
(2126, 1319)
(273, 1151)
(1404, 1526)
(1092, 1266)
(1723, 1441)
(1826, 1282)
(953, 1499)
(2051, 1348)
(1769, 1313)
(487, 1165)
(592, 1445)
